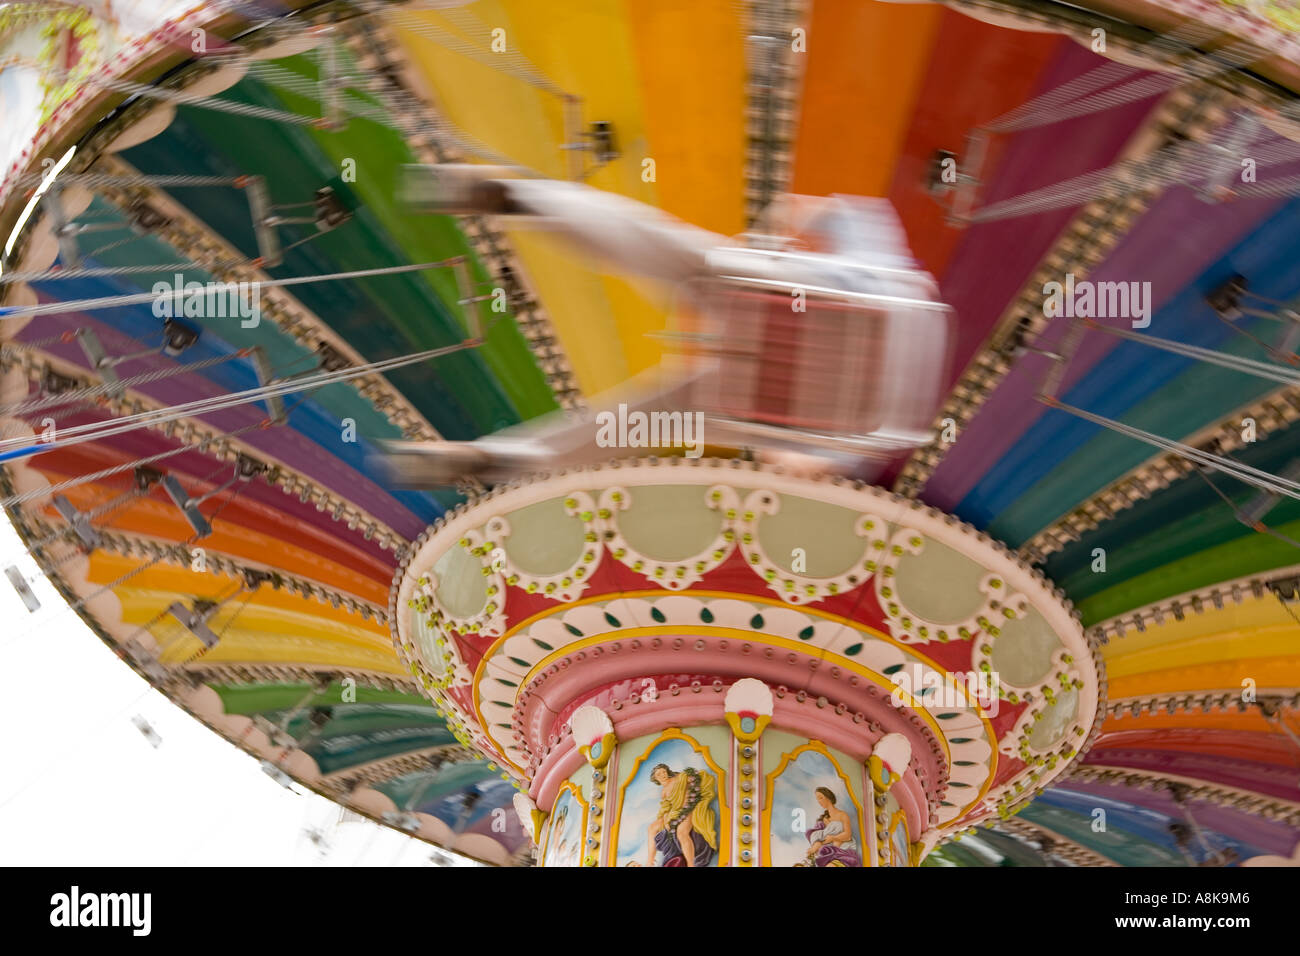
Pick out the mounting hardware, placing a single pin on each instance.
(1287, 590)
(941, 163)
(177, 337)
(79, 522)
(1225, 298)
(145, 218)
(146, 477)
(603, 145)
(23, 588)
(195, 619)
(147, 730)
(53, 383)
(254, 578)
(407, 822)
(189, 506)
(264, 221)
(597, 139)
(330, 210)
(330, 358)
(265, 376)
(247, 467)
(276, 774)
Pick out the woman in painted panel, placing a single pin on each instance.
(831, 838)
(562, 850)
(685, 832)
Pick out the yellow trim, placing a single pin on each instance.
(724, 806)
(1249, 616)
(573, 788)
(538, 820)
(729, 595)
(660, 630)
(760, 725)
(1245, 643)
(889, 835)
(765, 819)
(876, 768)
(607, 743)
(664, 592)
(661, 592)
(755, 637)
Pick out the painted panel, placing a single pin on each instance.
(813, 818)
(670, 813)
(566, 829)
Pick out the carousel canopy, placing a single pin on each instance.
(203, 486)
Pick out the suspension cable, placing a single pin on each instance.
(1246, 473)
(11, 448)
(91, 272)
(1238, 363)
(104, 388)
(141, 298)
(1257, 526)
(1170, 165)
(521, 68)
(35, 493)
(1038, 111)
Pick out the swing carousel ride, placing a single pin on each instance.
(737, 433)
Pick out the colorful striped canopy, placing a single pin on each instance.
(1198, 608)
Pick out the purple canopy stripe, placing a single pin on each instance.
(284, 444)
(1272, 836)
(1162, 250)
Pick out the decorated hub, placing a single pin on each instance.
(674, 660)
(692, 661)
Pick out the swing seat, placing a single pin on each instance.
(852, 341)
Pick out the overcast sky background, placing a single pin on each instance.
(80, 785)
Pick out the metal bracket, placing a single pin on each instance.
(79, 522)
(265, 376)
(188, 506)
(23, 588)
(195, 620)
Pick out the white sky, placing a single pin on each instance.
(80, 785)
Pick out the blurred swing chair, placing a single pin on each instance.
(814, 340)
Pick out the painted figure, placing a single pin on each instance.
(831, 838)
(562, 847)
(685, 831)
